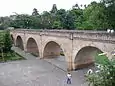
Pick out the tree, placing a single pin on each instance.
(54, 9)
(53, 17)
(76, 6)
(69, 20)
(94, 17)
(77, 15)
(22, 21)
(35, 12)
(56, 25)
(35, 22)
(66, 18)
(4, 22)
(2, 45)
(61, 16)
(7, 42)
(46, 20)
(110, 12)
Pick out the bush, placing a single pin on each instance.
(105, 75)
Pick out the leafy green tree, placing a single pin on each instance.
(110, 12)
(7, 42)
(77, 15)
(54, 9)
(35, 22)
(66, 18)
(54, 21)
(22, 21)
(56, 25)
(61, 16)
(94, 17)
(69, 21)
(46, 22)
(4, 22)
(76, 6)
(35, 12)
(1, 45)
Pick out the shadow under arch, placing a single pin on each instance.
(86, 56)
(53, 50)
(54, 54)
(32, 47)
(19, 42)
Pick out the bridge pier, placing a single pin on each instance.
(70, 62)
(70, 66)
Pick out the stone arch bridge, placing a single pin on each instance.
(79, 47)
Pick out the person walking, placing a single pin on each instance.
(68, 78)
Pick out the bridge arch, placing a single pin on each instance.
(32, 46)
(19, 42)
(52, 49)
(86, 56)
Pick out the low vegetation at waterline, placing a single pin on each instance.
(105, 73)
(11, 56)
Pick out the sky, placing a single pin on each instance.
(8, 7)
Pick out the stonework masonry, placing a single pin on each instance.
(79, 47)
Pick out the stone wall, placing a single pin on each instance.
(70, 41)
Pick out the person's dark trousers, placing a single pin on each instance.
(68, 81)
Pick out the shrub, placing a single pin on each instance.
(105, 75)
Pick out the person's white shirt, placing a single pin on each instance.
(69, 76)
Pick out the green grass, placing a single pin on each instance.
(11, 57)
(102, 59)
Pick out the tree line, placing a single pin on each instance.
(95, 16)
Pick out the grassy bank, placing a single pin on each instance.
(10, 57)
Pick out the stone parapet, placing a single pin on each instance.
(102, 36)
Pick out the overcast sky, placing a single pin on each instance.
(7, 7)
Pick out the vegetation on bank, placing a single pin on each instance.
(94, 16)
(11, 56)
(6, 54)
(105, 73)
